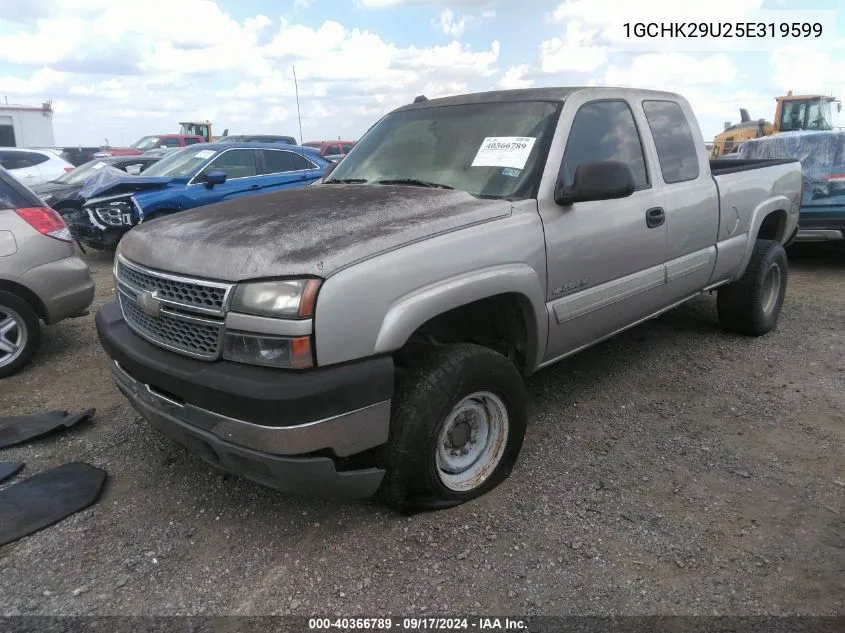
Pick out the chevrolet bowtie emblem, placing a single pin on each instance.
(149, 304)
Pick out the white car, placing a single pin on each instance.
(33, 166)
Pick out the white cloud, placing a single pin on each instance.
(809, 71)
(574, 52)
(611, 12)
(129, 73)
(514, 78)
(447, 24)
(40, 82)
(381, 4)
(662, 71)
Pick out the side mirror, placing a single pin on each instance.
(606, 180)
(215, 178)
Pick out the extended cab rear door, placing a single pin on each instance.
(605, 258)
(691, 197)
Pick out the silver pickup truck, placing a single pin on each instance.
(369, 336)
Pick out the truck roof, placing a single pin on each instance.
(528, 94)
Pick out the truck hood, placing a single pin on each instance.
(311, 230)
(113, 181)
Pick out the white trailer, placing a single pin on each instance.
(26, 126)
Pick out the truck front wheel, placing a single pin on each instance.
(752, 304)
(457, 427)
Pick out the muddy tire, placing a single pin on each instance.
(20, 333)
(752, 304)
(457, 426)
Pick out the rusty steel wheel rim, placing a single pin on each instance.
(771, 289)
(472, 441)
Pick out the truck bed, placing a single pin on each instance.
(720, 166)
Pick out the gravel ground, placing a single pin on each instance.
(674, 470)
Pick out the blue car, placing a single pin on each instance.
(193, 177)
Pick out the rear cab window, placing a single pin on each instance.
(605, 130)
(676, 149)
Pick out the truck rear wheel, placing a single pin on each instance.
(752, 304)
(457, 427)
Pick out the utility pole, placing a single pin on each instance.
(298, 114)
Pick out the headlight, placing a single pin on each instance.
(272, 351)
(291, 299)
(116, 213)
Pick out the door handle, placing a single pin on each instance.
(655, 217)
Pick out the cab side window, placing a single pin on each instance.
(237, 163)
(605, 130)
(676, 148)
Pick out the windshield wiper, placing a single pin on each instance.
(413, 182)
(346, 181)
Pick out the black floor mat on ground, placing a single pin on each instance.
(47, 498)
(9, 469)
(18, 429)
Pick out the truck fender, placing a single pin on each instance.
(778, 204)
(411, 311)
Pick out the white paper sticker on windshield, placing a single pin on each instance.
(504, 151)
(206, 153)
(98, 166)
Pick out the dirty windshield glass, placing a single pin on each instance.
(148, 142)
(491, 150)
(181, 164)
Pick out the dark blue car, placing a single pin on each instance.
(193, 177)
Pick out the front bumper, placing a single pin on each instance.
(290, 430)
(64, 287)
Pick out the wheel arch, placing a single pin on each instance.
(769, 221)
(26, 294)
(492, 296)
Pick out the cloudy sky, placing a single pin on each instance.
(120, 70)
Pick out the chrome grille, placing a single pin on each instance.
(205, 295)
(186, 315)
(193, 338)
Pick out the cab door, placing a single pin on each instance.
(605, 258)
(692, 202)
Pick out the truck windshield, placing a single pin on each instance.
(489, 150)
(148, 142)
(182, 163)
